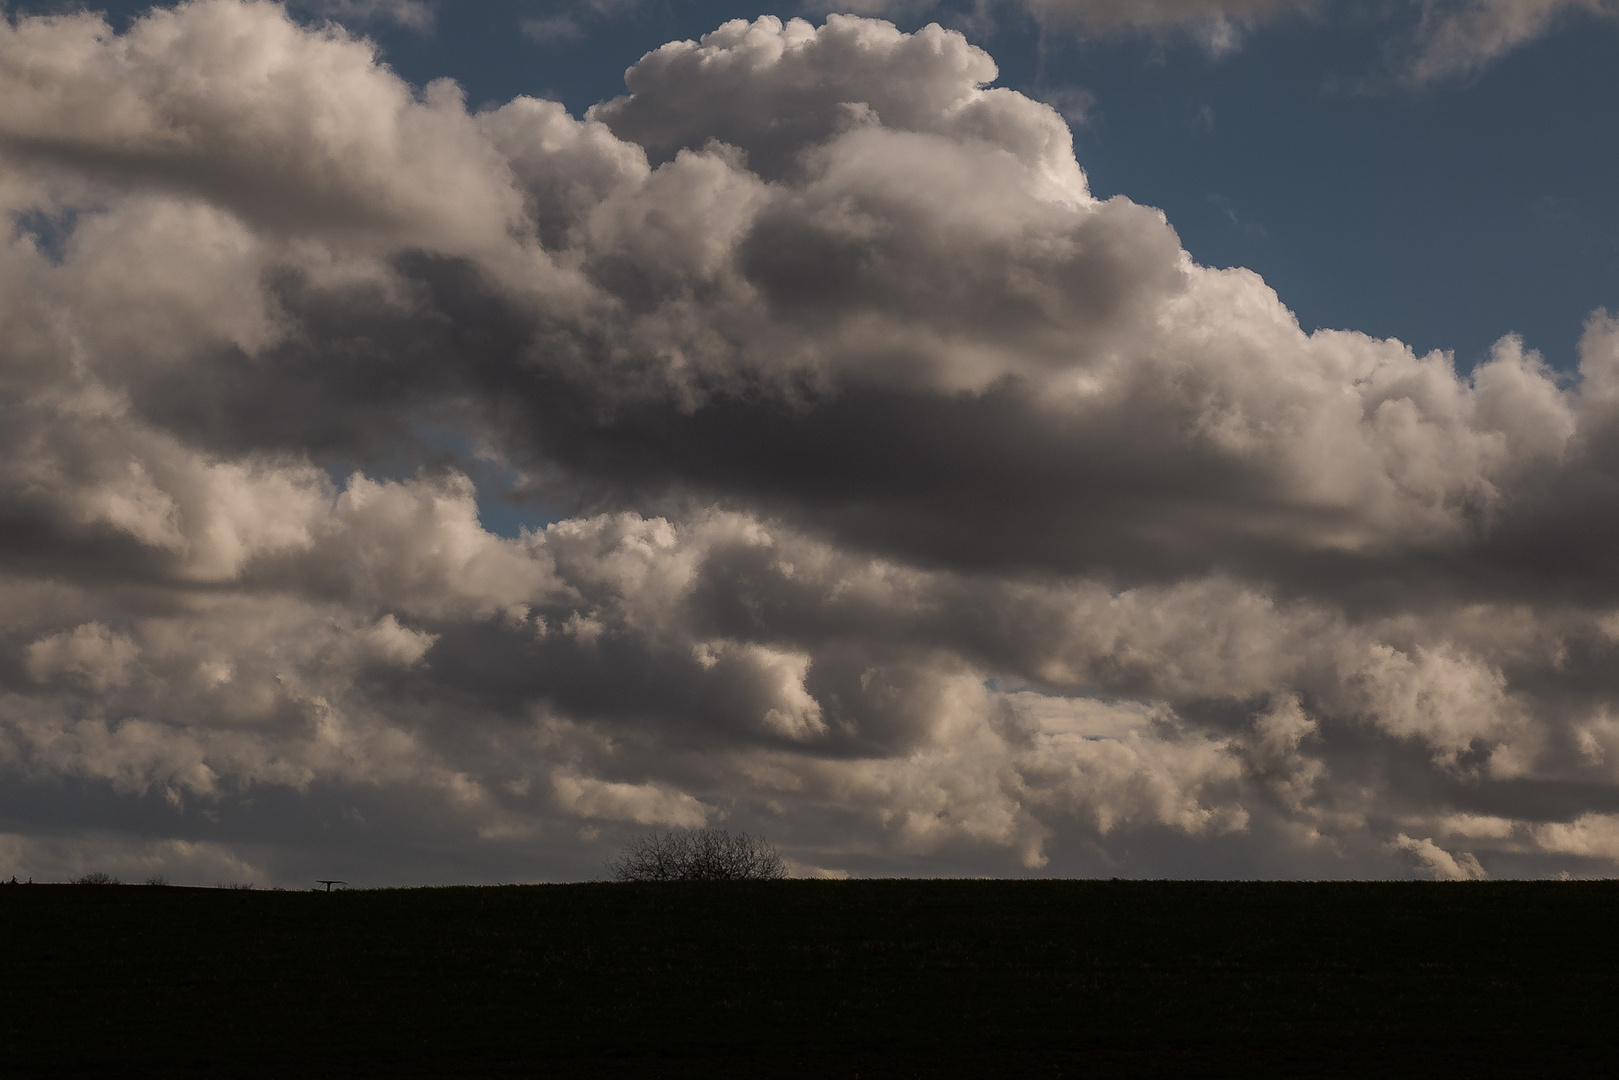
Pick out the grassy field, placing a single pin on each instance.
(865, 978)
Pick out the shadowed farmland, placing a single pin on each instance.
(869, 978)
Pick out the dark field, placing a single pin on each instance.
(870, 979)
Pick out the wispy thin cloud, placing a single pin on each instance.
(416, 15)
(1429, 40)
(1457, 39)
(552, 29)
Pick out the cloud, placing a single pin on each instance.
(889, 9)
(1217, 25)
(416, 15)
(1590, 835)
(1460, 38)
(552, 28)
(90, 652)
(1443, 865)
(572, 20)
(906, 502)
(242, 115)
(62, 859)
(644, 804)
(1433, 39)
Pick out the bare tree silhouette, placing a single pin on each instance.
(697, 855)
(96, 877)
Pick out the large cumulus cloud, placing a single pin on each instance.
(908, 503)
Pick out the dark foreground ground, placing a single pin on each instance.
(870, 979)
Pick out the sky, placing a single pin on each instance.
(1175, 438)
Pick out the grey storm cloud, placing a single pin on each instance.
(917, 508)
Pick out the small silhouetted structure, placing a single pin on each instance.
(697, 855)
(329, 883)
